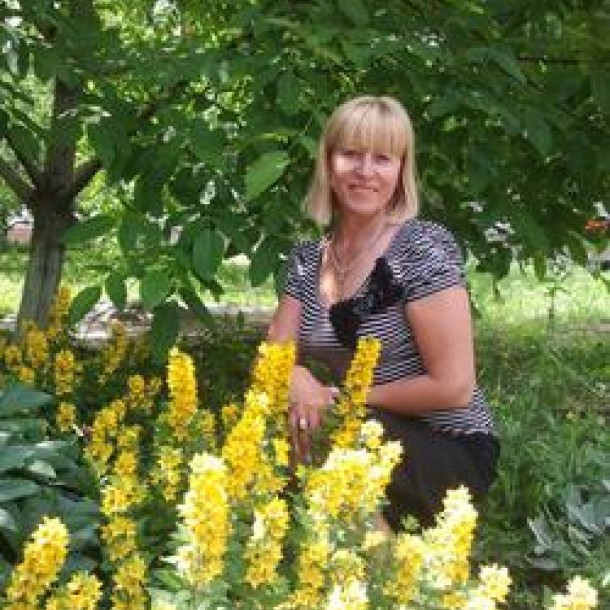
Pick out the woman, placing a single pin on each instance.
(382, 272)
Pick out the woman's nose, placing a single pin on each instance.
(364, 164)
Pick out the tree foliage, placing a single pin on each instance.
(204, 118)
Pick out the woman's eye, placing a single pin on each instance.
(380, 158)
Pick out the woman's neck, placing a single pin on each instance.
(350, 231)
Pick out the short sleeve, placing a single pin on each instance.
(299, 261)
(432, 261)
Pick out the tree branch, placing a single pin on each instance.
(83, 174)
(16, 183)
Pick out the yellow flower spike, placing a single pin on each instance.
(409, 553)
(64, 372)
(129, 581)
(119, 537)
(351, 595)
(43, 558)
(243, 453)
(351, 407)
(65, 418)
(264, 549)
(182, 385)
(206, 520)
(13, 357)
(494, 582)
(114, 353)
(167, 474)
(449, 542)
(580, 595)
(36, 348)
(82, 592)
(271, 376)
(311, 569)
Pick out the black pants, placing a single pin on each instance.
(433, 462)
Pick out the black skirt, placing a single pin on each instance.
(433, 462)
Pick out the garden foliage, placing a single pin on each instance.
(205, 508)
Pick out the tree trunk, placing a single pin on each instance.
(44, 265)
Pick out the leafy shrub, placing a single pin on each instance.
(41, 477)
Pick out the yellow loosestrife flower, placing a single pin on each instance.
(351, 595)
(271, 376)
(350, 484)
(13, 358)
(114, 353)
(182, 385)
(580, 596)
(36, 348)
(167, 474)
(65, 418)
(119, 537)
(449, 542)
(27, 375)
(103, 432)
(128, 582)
(494, 582)
(82, 592)
(409, 553)
(206, 519)
(264, 549)
(311, 569)
(43, 558)
(243, 453)
(64, 371)
(58, 313)
(351, 406)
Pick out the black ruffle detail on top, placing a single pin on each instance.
(382, 292)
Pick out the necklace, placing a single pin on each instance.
(343, 271)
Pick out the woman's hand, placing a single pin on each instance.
(309, 400)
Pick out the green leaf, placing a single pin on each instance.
(7, 521)
(46, 63)
(600, 88)
(263, 261)
(103, 141)
(116, 289)
(18, 398)
(83, 303)
(25, 142)
(265, 172)
(208, 252)
(12, 489)
(43, 469)
(208, 144)
(354, 10)
(164, 330)
(537, 132)
(88, 229)
(12, 459)
(196, 305)
(287, 93)
(506, 60)
(155, 286)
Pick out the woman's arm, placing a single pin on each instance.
(442, 329)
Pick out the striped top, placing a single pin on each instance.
(424, 258)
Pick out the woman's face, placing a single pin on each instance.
(363, 181)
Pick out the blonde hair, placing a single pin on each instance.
(380, 124)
